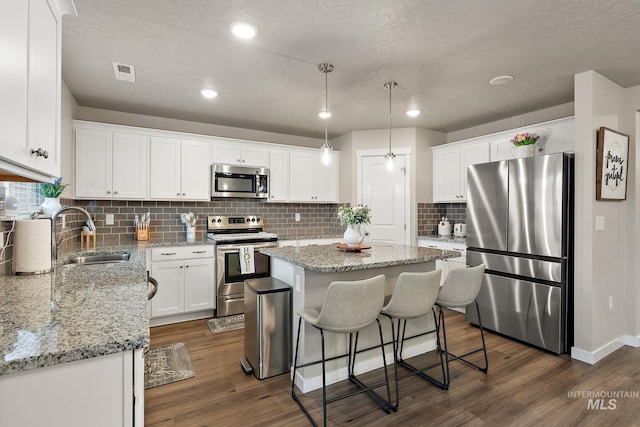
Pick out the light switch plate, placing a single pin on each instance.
(1, 240)
(599, 223)
(297, 217)
(109, 219)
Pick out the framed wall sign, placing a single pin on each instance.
(611, 165)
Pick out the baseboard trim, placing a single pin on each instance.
(593, 357)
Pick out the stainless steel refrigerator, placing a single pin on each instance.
(520, 225)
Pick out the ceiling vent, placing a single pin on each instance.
(124, 72)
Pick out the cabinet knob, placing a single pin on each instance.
(108, 191)
(184, 194)
(239, 161)
(177, 194)
(40, 153)
(180, 266)
(115, 192)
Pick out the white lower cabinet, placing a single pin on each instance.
(186, 282)
(449, 264)
(103, 391)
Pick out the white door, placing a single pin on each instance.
(278, 175)
(384, 193)
(195, 170)
(164, 168)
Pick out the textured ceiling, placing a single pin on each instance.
(441, 53)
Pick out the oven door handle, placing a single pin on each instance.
(236, 247)
(233, 299)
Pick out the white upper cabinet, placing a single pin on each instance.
(240, 153)
(310, 180)
(278, 175)
(178, 169)
(450, 163)
(195, 170)
(30, 88)
(111, 165)
(556, 136)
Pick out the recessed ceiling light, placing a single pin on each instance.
(412, 113)
(324, 114)
(209, 93)
(242, 30)
(500, 80)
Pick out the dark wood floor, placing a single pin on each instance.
(524, 387)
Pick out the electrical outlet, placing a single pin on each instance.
(599, 223)
(1, 240)
(297, 283)
(109, 219)
(611, 303)
(297, 217)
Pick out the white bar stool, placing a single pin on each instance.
(460, 289)
(413, 296)
(348, 307)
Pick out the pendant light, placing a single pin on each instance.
(325, 151)
(390, 156)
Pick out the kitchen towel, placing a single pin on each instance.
(32, 246)
(247, 265)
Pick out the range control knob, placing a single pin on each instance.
(257, 219)
(219, 220)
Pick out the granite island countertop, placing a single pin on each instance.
(329, 259)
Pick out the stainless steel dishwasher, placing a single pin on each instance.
(267, 327)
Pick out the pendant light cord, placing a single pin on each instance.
(390, 88)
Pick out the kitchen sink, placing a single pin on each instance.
(100, 259)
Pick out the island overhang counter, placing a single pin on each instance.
(310, 269)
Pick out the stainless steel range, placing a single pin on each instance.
(233, 235)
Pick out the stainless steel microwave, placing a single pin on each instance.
(239, 181)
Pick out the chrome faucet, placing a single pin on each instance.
(54, 243)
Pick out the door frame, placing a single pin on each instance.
(377, 152)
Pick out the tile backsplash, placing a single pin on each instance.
(430, 214)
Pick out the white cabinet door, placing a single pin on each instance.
(14, 22)
(471, 155)
(179, 169)
(30, 86)
(446, 175)
(43, 99)
(240, 153)
(278, 175)
(164, 168)
(198, 284)
(325, 179)
(93, 163)
(450, 169)
(130, 153)
(253, 155)
(170, 296)
(195, 167)
(301, 176)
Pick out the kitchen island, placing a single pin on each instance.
(310, 269)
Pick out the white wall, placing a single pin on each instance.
(68, 111)
(129, 119)
(538, 116)
(599, 255)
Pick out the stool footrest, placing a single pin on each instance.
(422, 374)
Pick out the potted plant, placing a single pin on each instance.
(524, 144)
(353, 217)
(51, 193)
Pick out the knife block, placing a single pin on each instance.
(142, 234)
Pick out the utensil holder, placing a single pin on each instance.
(191, 234)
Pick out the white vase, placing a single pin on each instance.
(191, 234)
(523, 151)
(51, 205)
(353, 235)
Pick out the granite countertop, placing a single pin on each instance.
(329, 259)
(438, 238)
(75, 312)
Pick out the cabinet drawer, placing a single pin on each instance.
(181, 252)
